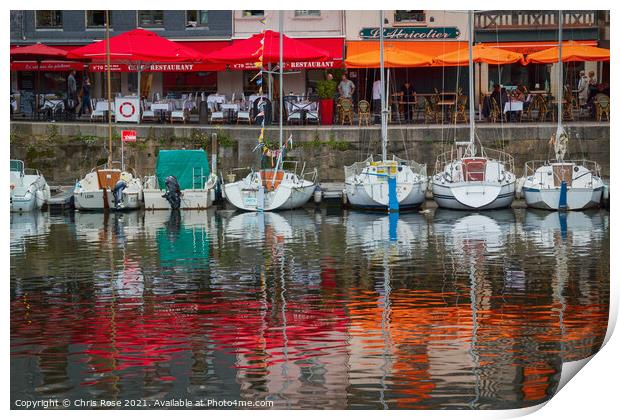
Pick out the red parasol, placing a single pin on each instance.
(138, 45)
(248, 50)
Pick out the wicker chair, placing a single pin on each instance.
(363, 112)
(460, 110)
(431, 113)
(496, 113)
(346, 110)
(601, 102)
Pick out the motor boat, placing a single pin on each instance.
(192, 178)
(29, 190)
(108, 188)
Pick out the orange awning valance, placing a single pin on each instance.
(481, 54)
(530, 47)
(362, 54)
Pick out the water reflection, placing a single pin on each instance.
(308, 309)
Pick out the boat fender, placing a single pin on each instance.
(173, 192)
(117, 192)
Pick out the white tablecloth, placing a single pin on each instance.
(53, 104)
(216, 99)
(102, 106)
(234, 107)
(168, 106)
(513, 106)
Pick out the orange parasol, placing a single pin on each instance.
(392, 57)
(571, 51)
(481, 54)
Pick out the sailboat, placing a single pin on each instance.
(562, 184)
(470, 179)
(385, 185)
(274, 188)
(29, 190)
(108, 186)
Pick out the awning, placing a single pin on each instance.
(529, 47)
(427, 48)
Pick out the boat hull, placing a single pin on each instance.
(374, 196)
(474, 195)
(94, 200)
(576, 198)
(285, 197)
(190, 199)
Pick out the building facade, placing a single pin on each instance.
(341, 33)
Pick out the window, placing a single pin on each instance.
(307, 13)
(48, 19)
(96, 18)
(253, 13)
(151, 18)
(195, 18)
(409, 16)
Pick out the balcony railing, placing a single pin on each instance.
(534, 19)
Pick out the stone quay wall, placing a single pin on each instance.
(64, 152)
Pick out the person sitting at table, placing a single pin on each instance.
(582, 88)
(500, 96)
(409, 97)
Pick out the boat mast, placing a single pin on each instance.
(109, 71)
(472, 112)
(560, 130)
(281, 88)
(384, 110)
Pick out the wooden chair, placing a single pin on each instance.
(346, 110)
(601, 103)
(460, 110)
(363, 112)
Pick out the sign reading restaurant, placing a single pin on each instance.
(437, 33)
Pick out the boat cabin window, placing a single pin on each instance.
(474, 169)
(17, 166)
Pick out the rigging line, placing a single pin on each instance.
(499, 75)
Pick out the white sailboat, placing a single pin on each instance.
(562, 184)
(108, 187)
(29, 190)
(385, 185)
(470, 179)
(276, 188)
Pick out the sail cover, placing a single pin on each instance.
(190, 167)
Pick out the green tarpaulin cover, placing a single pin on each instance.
(191, 167)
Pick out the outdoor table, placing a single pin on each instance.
(216, 99)
(162, 108)
(230, 110)
(53, 103)
(102, 106)
(302, 107)
(512, 108)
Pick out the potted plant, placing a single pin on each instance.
(326, 90)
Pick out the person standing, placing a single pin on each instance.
(592, 91)
(85, 97)
(376, 99)
(582, 88)
(346, 88)
(72, 91)
(409, 98)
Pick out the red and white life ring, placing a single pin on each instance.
(121, 109)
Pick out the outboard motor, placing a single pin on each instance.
(173, 192)
(117, 192)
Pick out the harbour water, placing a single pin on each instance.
(308, 309)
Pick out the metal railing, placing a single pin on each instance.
(457, 152)
(532, 165)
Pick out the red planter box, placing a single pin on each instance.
(327, 111)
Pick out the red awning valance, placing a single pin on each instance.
(46, 66)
